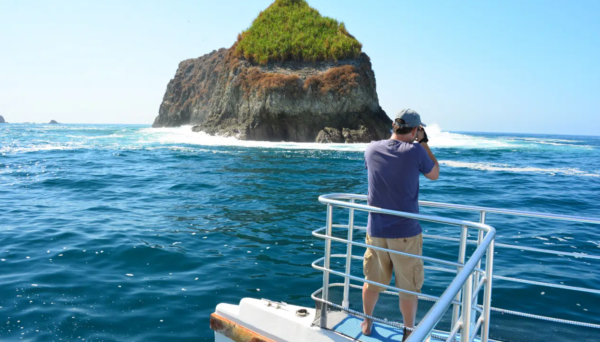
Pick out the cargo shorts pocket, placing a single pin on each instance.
(367, 261)
(418, 275)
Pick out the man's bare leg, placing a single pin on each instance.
(369, 300)
(408, 308)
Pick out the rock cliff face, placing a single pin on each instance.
(2, 120)
(289, 101)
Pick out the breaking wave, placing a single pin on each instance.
(72, 137)
(509, 168)
(439, 139)
(184, 135)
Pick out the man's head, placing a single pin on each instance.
(407, 123)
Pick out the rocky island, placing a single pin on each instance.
(2, 120)
(292, 76)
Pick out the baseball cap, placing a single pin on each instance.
(411, 118)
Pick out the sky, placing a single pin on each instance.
(483, 66)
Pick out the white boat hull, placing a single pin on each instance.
(256, 320)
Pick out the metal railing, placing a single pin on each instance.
(483, 211)
(461, 293)
(476, 273)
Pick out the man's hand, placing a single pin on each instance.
(422, 135)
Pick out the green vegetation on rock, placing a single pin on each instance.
(292, 30)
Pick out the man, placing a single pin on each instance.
(393, 167)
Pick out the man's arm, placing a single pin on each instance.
(422, 139)
(435, 172)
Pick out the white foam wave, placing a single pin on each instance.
(509, 168)
(37, 148)
(135, 138)
(547, 141)
(85, 137)
(441, 139)
(184, 135)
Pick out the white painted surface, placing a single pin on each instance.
(221, 338)
(277, 324)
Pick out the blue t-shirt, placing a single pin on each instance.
(394, 167)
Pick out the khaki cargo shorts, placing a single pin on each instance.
(378, 265)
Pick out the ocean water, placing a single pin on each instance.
(128, 233)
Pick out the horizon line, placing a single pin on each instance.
(144, 124)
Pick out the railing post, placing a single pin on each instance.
(487, 294)
(345, 301)
(462, 252)
(465, 330)
(477, 278)
(325, 292)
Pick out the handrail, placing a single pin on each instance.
(326, 199)
(349, 276)
(511, 212)
(364, 245)
(479, 209)
(437, 311)
(478, 279)
(479, 270)
(463, 282)
(501, 245)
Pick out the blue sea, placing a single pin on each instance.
(129, 233)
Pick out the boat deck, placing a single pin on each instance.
(465, 304)
(350, 326)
